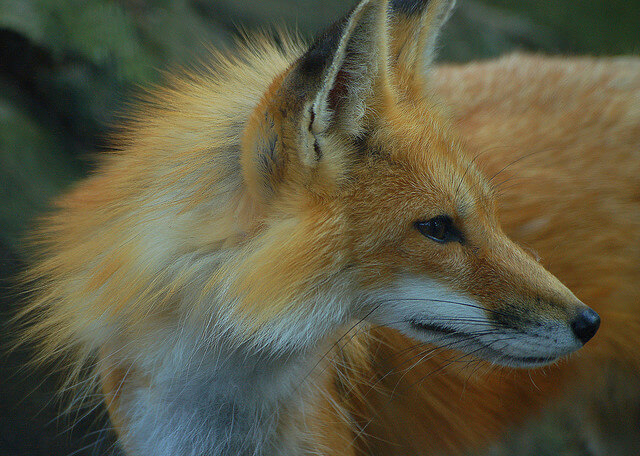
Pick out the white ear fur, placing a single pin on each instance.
(438, 13)
(359, 61)
(415, 27)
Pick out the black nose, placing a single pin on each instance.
(585, 325)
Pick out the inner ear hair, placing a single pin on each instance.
(415, 27)
(357, 65)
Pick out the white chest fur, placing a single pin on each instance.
(218, 403)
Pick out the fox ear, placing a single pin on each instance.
(305, 125)
(352, 57)
(415, 26)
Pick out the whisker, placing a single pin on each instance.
(422, 357)
(467, 170)
(432, 351)
(499, 185)
(514, 162)
(468, 338)
(420, 344)
(335, 344)
(444, 301)
(464, 355)
(394, 395)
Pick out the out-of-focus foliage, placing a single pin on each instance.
(593, 27)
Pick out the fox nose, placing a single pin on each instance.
(585, 325)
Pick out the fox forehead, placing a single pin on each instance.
(418, 161)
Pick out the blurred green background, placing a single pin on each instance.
(67, 66)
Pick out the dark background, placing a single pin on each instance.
(66, 66)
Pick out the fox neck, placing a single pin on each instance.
(223, 398)
(221, 402)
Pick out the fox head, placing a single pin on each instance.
(363, 204)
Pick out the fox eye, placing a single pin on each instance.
(440, 229)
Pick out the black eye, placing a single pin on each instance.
(440, 229)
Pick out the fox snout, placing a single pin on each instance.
(502, 305)
(531, 305)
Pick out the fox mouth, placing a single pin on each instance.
(473, 344)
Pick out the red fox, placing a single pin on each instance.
(281, 249)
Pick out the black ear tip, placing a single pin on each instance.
(408, 7)
(320, 53)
